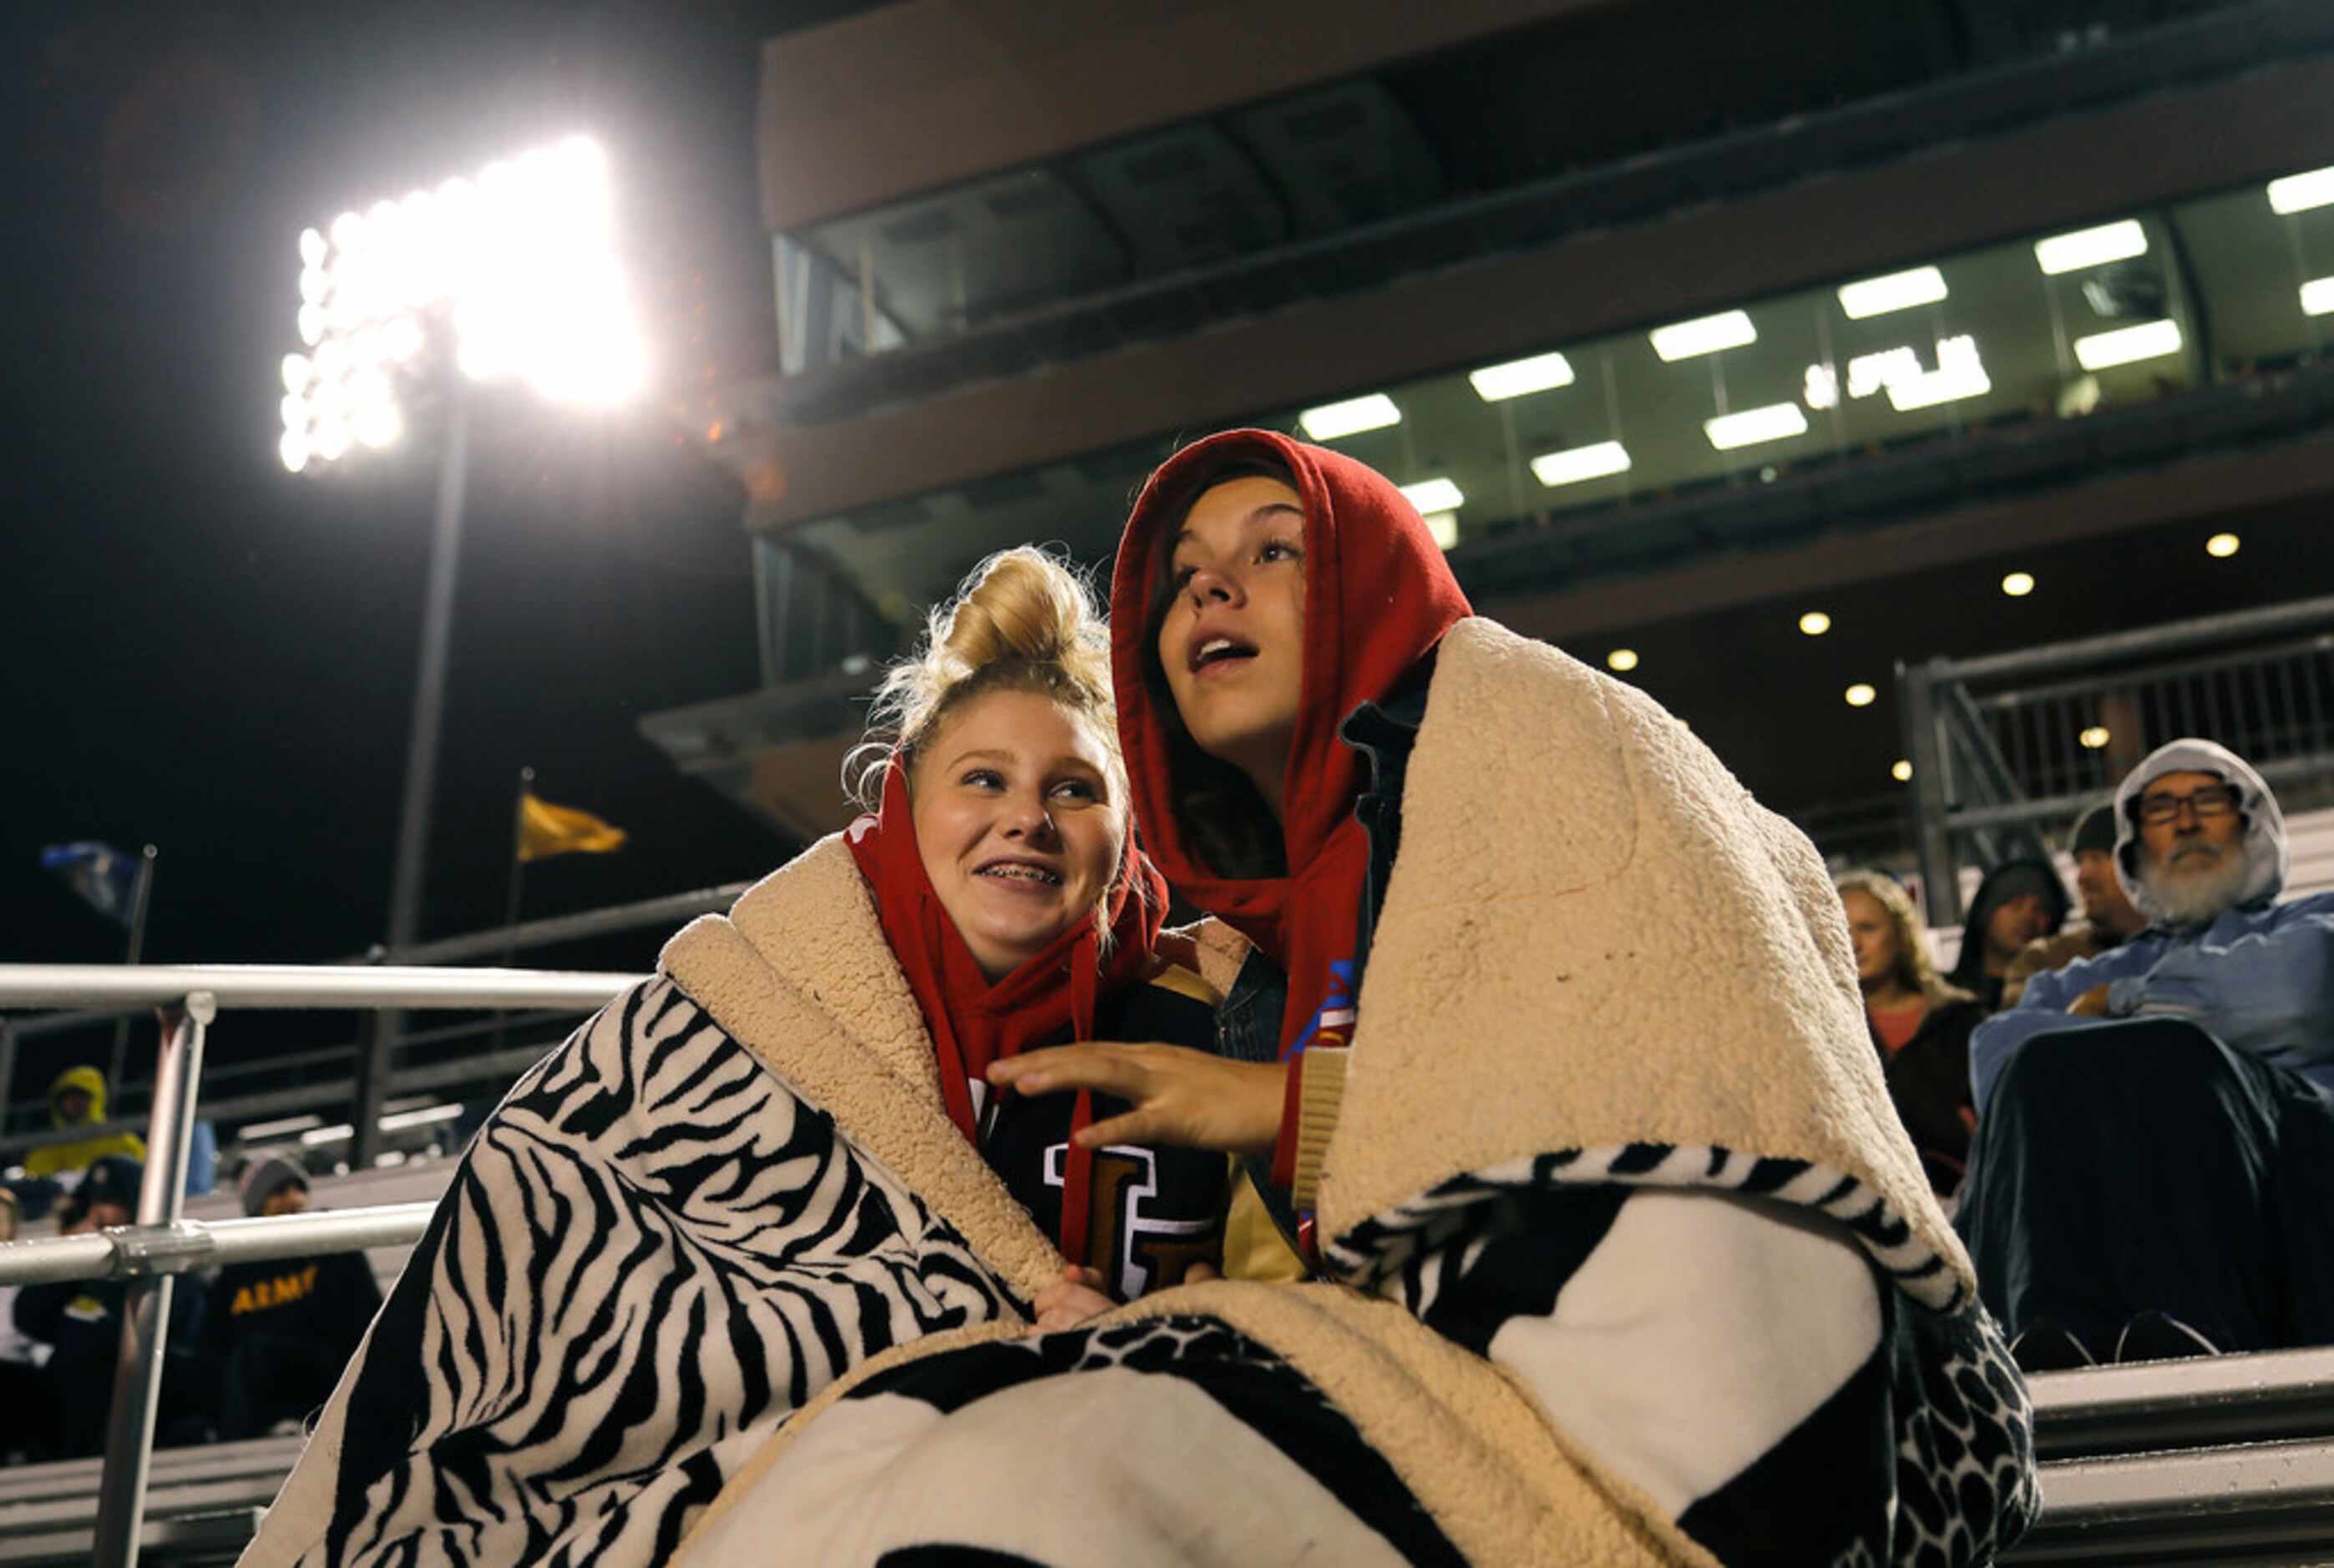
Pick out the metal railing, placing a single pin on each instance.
(342, 1069)
(152, 1253)
(2005, 745)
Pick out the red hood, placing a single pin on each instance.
(1378, 597)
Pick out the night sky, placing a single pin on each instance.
(208, 654)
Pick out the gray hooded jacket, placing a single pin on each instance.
(2259, 977)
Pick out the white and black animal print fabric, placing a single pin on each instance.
(650, 1255)
(655, 1251)
(1722, 1337)
(1174, 1440)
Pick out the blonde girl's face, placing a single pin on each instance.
(1872, 936)
(1017, 823)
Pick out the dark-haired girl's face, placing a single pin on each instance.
(1232, 640)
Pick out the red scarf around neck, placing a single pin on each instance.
(974, 1023)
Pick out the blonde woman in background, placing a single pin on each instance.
(1920, 1024)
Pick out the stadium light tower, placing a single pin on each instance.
(511, 275)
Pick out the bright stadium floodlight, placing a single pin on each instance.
(1331, 421)
(1775, 422)
(2091, 248)
(511, 275)
(1576, 464)
(1896, 291)
(2128, 345)
(1703, 335)
(2300, 192)
(1521, 378)
(516, 273)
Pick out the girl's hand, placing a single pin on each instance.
(1072, 1300)
(1181, 1096)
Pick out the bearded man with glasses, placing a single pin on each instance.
(2156, 1125)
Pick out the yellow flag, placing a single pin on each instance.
(545, 830)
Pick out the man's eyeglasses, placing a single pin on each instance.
(2213, 801)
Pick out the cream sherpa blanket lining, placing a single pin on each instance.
(1615, 1189)
(1601, 967)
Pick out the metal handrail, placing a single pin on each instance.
(139, 1251)
(278, 986)
(151, 1253)
(1959, 776)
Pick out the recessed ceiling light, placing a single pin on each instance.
(1896, 291)
(1901, 770)
(1351, 418)
(2221, 546)
(2318, 297)
(1815, 623)
(1517, 378)
(1433, 495)
(2125, 345)
(1775, 422)
(2091, 248)
(1573, 464)
(1860, 694)
(2300, 192)
(1622, 659)
(1444, 526)
(2018, 585)
(1703, 335)
(2095, 737)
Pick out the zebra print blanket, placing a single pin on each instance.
(718, 1280)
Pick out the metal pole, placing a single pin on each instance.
(138, 905)
(1916, 706)
(517, 889)
(145, 1304)
(421, 752)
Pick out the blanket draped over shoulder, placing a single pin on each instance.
(1633, 1264)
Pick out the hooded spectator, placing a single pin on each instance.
(2018, 901)
(77, 1098)
(81, 1322)
(2155, 1134)
(1920, 1024)
(281, 1330)
(2108, 918)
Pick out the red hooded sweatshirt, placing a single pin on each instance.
(1378, 597)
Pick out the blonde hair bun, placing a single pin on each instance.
(1023, 619)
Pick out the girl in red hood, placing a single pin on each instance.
(1614, 1124)
(1274, 603)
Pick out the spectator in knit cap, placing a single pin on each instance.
(2108, 919)
(280, 1330)
(81, 1322)
(2019, 901)
(2156, 1136)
